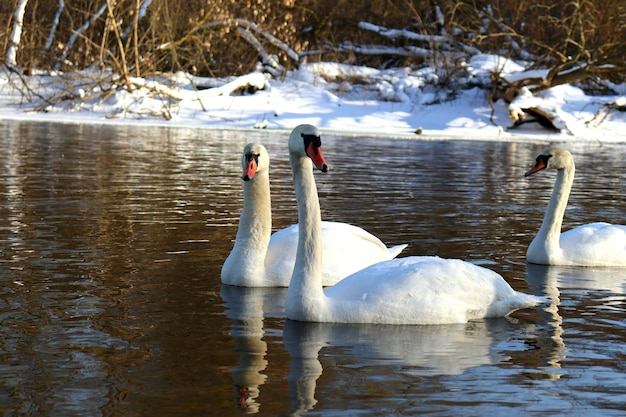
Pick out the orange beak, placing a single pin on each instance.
(539, 165)
(315, 153)
(250, 169)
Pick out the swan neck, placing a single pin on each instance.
(255, 222)
(550, 230)
(306, 280)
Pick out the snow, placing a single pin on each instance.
(337, 98)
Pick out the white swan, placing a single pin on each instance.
(412, 290)
(258, 260)
(593, 244)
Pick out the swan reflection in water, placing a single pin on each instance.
(564, 285)
(415, 350)
(412, 350)
(247, 307)
(576, 279)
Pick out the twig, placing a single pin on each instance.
(78, 32)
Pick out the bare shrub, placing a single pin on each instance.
(120, 39)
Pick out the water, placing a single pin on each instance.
(111, 302)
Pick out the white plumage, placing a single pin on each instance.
(593, 244)
(262, 259)
(411, 290)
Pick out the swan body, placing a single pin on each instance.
(262, 259)
(411, 290)
(593, 244)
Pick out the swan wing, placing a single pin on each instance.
(346, 249)
(424, 290)
(595, 244)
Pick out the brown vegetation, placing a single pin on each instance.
(578, 39)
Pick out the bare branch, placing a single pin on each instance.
(118, 38)
(55, 24)
(267, 59)
(78, 32)
(402, 33)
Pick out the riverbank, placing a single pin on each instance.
(388, 103)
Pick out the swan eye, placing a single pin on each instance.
(543, 159)
(252, 156)
(546, 159)
(313, 140)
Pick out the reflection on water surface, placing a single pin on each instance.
(111, 302)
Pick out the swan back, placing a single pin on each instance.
(424, 290)
(346, 250)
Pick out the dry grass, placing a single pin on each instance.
(202, 37)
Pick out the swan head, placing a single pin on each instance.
(305, 141)
(254, 159)
(552, 158)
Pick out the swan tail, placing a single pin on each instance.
(395, 250)
(521, 301)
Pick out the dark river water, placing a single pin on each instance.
(111, 302)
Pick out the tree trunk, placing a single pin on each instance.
(16, 34)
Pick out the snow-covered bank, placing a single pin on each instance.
(337, 98)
